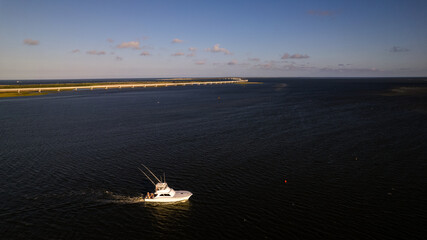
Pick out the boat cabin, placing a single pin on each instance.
(163, 190)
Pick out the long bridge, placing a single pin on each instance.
(122, 85)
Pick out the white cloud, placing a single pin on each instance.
(132, 44)
(193, 52)
(94, 52)
(350, 70)
(145, 53)
(278, 66)
(265, 65)
(110, 40)
(254, 59)
(232, 62)
(31, 42)
(176, 40)
(294, 56)
(398, 49)
(75, 51)
(178, 54)
(118, 58)
(216, 49)
(201, 62)
(270, 65)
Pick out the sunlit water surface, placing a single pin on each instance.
(353, 157)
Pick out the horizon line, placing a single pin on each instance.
(117, 78)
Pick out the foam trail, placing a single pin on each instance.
(121, 199)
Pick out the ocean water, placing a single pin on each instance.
(286, 159)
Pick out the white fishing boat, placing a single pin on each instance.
(163, 192)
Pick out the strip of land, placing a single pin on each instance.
(406, 91)
(39, 88)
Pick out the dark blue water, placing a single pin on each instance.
(352, 152)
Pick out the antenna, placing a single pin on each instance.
(147, 177)
(151, 172)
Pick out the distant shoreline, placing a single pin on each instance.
(38, 89)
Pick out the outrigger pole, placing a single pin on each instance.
(147, 177)
(151, 172)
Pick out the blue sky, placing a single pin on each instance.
(115, 39)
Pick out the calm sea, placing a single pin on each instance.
(286, 159)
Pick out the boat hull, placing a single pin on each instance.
(178, 197)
